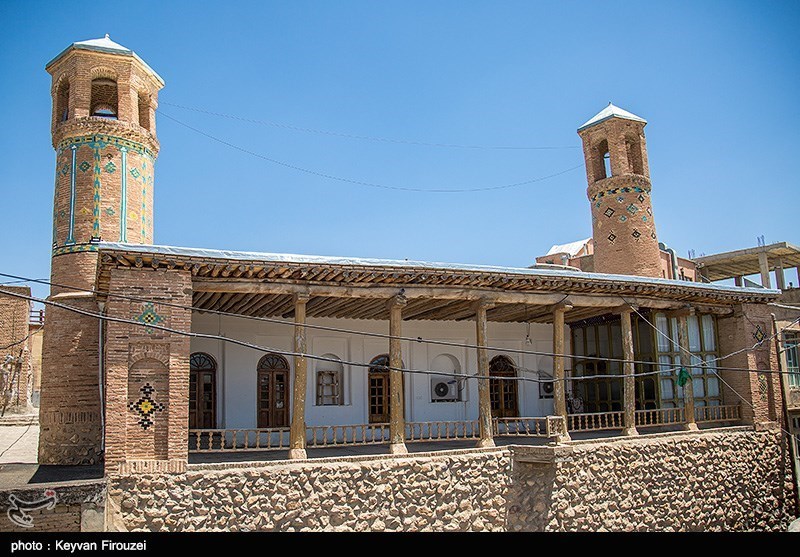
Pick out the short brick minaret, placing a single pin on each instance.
(625, 240)
(103, 127)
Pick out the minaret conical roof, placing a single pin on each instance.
(608, 112)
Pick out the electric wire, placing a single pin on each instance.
(362, 137)
(418, 339)
(362, 182)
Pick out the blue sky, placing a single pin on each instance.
(717, 81)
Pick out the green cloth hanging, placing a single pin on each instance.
(683, 377)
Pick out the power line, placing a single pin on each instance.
(362, 137)
(419, 340)
(361, 182)
(337, 360)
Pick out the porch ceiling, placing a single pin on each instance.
(425, 309)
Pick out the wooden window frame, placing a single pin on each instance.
(201, 363)
(334, 398)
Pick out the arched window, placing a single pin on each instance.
(104, 98)
(273, 391)
(330, 382)
(446, 388)
(144, 111)
(62, 101)
(202, 391)
(503, 390)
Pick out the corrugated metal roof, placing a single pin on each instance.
(414, 264)
(611, 111)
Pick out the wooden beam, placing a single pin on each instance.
(414, 292)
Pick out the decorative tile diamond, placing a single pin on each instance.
(759, 334)
(598, 204)
(640, 198)
(612, 237)
(644, 219)
(623, 218)
(636, 233)
(110, 211)
(649, 211)
(135, 172)
(149, 317)
(620, 199)
(110, 167)
(632, 209)
(609, 212)
(653, 235)
(84, 166)
(65, 170)
(146, 407)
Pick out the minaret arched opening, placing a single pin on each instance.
(105, 101)
(144, 110)
(633, 148)
(62, 101)
(601, 161)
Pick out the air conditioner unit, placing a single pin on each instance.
(546, 385)
(444, 389)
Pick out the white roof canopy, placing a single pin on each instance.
(611, 111)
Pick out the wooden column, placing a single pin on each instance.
(763, 265)
(686, 362)
(397, 424)
(628, 369)
(297, 432)
(559, 385)
(738, 281)
(484, 400)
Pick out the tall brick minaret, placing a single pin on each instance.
(104, 134)
(624, 232)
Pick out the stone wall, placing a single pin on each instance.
(715, 480)
(737, 479)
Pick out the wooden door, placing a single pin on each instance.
(503, 392)
(202, 391)
(273, 391)
(378, 391)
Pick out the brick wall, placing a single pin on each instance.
(14, 315)
(761, 390)
(148, 364)
(69, 407)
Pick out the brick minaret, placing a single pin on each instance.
(625, 240)
(103, 127)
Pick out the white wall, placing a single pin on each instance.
(236, 376)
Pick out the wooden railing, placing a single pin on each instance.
(659, 416)
(359, 434)
(528, 427)
(595, 421)
(217, 440)
(441, 431)
(729, 413)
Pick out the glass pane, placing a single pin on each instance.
(602, 336)
(661, 325)
(699, 387)
(591, 349)
(616, 340)
(709, 339)
(644, 333)
(666, 389)
(713, 386)
(674, 334)
(577, 341)
(665, 365)
(694, 333)
(696, 361)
